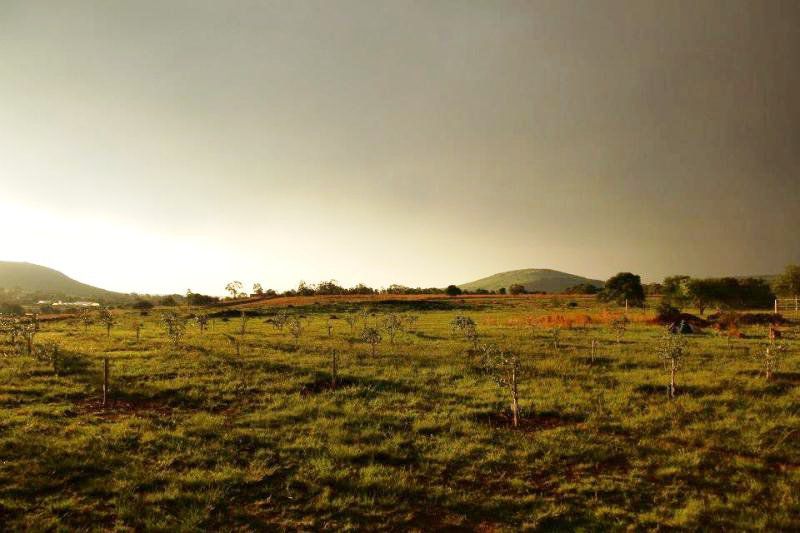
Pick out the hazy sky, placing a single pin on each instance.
(156, 146)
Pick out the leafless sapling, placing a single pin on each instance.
(506, 370)
(672, 350)
(107, 319)
(372, 337)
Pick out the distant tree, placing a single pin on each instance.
(168, 301)
(788, 283)
(243, 323)
(452, 290)
(8, 308)
(583, 288)
(624, 286)
(304, 289)
(501, 290)
(196, 299)
(142, 305)
(517, 288)
(258, 289)
(675, 291)
(234, 287)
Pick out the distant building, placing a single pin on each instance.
(76, 304)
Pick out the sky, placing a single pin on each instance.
(159, 146)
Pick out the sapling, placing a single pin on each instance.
(137, 328)
(329, 326)
(234, 341)
(393, 324)
(467, 328)
(672, 350)
(49, 352)
(243, 324)
(555, 333)
(620, 326)
(295, 328)
(174, 326)
(372, 337)
(506, 370)
(107, 319)
(770, 356)
(85, 317)
(352, 320)
(202, 322)
(280, 319)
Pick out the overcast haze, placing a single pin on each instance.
(159, 146)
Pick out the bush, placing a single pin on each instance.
(516, 288)
(452, 290)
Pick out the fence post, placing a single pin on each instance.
(776, 306)
(105, 381)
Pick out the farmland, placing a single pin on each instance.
(240, 426)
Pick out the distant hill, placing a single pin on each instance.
(533, 279)
(36, 279)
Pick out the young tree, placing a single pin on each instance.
(465, 326)
(234, 287)
(672, 350)
(372, 337)
(49, 352)
(258, 289)
(506, 370)
(770, 356)
(175, 327)
(137, 328)
(352, 320)
(329, 326)
(107, 319)
(280, 319)
(623, 287)
(85, 317)
(202, 321)
(243, 323)
(295, 328)
(393, 324)
(620, 327)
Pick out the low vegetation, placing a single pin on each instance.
(557, 418)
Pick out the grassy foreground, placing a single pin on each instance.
(416, 437)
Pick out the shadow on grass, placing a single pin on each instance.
(530, 422)
(695, 391)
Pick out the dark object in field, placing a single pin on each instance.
(692, 320)
(236, 313)
(683, 328)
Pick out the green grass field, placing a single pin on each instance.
(416, 438)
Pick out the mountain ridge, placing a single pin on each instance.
(38, 279)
